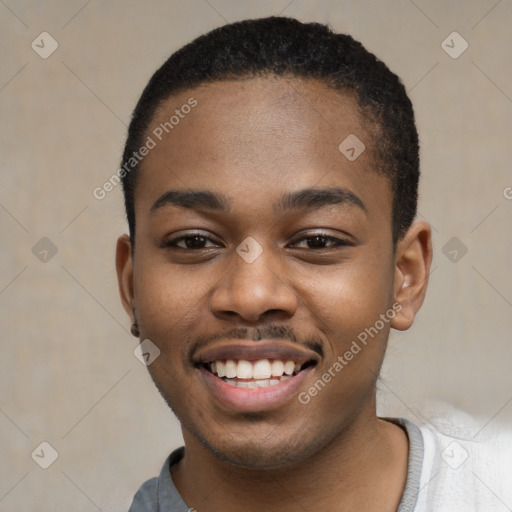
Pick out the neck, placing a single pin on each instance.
(363, 468)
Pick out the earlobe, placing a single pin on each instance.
(124, 268)
(412, 267)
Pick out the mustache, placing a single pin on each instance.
(266, 332)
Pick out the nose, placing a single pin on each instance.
(253, 292)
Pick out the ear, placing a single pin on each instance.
(124, 268)
(413, 258)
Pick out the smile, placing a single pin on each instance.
(262, 373)
(248, 376)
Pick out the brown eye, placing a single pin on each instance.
(191, 242)
(319, 242)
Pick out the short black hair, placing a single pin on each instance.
(286, 47)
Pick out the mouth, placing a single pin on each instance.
(255, 376)
(262, 373)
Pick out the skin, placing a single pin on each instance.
(252, 141)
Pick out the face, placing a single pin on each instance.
(262, 254)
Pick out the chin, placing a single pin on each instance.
(256, 447)
(252, 455)
(254, 441)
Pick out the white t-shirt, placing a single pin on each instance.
(451, 468)
(465, 467)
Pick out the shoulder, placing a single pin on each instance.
(467, 463)
(146, 498)
(159, 493)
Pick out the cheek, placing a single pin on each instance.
(162, 289)
(169, 303)
(347, 304)
(349, 308)
(350, 297)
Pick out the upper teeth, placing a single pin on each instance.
(261, 369)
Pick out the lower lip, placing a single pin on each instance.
(253, 400)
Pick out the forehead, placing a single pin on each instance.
(243, 137)
(262, 113)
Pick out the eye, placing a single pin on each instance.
(192, 241)
(320, 241)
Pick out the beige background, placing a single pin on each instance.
(67, 372)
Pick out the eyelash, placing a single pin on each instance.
(173, 242)
(336, 242)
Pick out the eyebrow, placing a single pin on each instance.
(311, 198)
(305, 199)
(193, 199)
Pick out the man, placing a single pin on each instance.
(270, 178)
